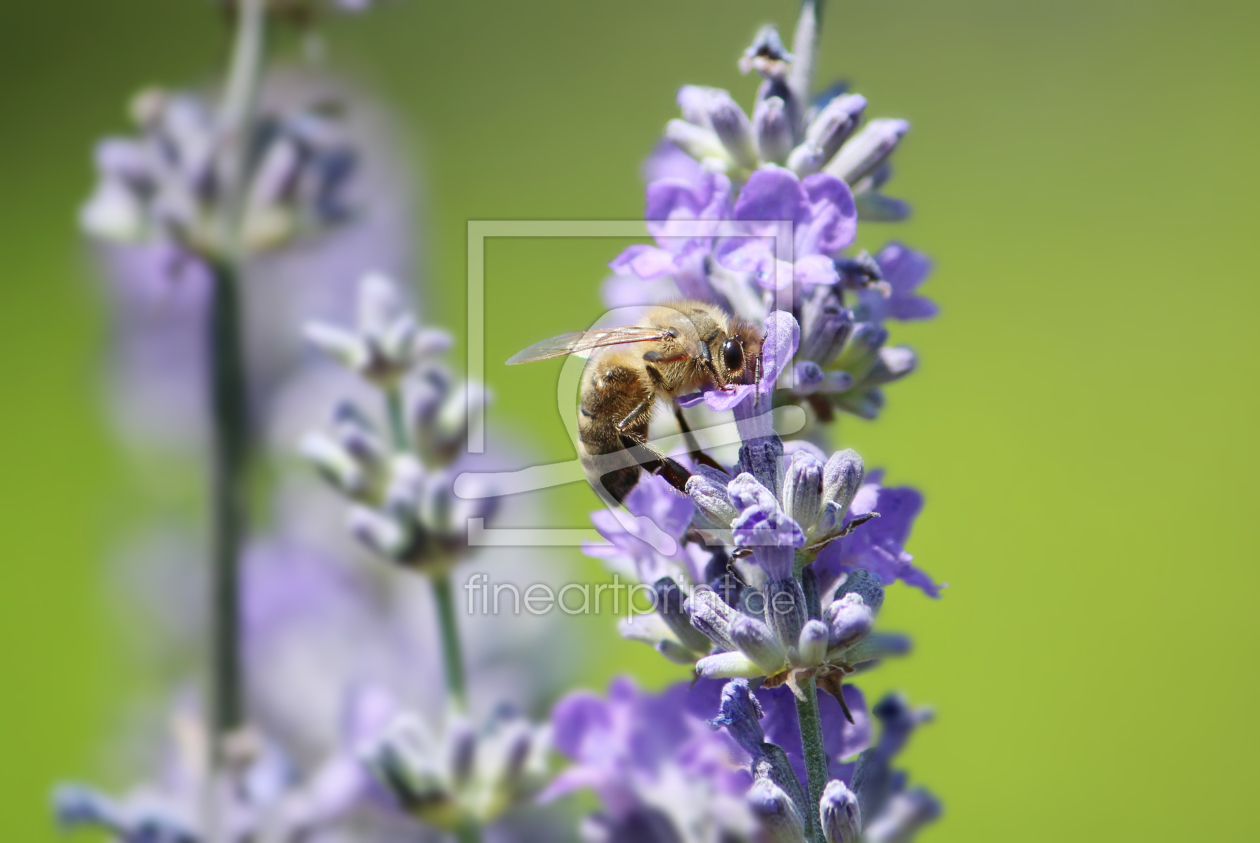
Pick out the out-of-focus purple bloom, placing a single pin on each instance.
(889, 811)
(842, 739)
(402, 482)
(158, 290)
(653, 764)
(650, 544)
(268, 792)
(903, 270)
(460, 776)
(879, 546)
(167, 184)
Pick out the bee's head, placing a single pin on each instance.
(738, 352)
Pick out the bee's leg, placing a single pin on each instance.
(640, 409)
(657, 463)
(693, 447)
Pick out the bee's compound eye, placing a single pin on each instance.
(733, 355)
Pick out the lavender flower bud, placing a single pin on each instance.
(334, 463)
(848, 621)
(904, 815)
(781, 820)
(757, 641)
(741, 714)
(866, 585)
(842, 477)
(893, 363)
(870, 148)
(78, 805)
(761, 521)
(379, 533)
(875, 647)
(693, 102)
(726, 666)
(812, 647)
(461, 740)
(806, 159)
(841, 816)
(862, 350)
(733, 128)
(710, 614)
(707, 489)
(343, 346)
(773, 130)
(378, 305)
(404, 761)
(803, 489)
(785, 610)
(865, 404)
(876, 207)
(114, 212)
(766, 55)
(518, 745)
(669, 605)
(763, 459)
(826, 328)
(700, 143)
(835, 123)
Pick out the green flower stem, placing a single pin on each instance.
(452, 656)
(229, 416)
(815, 756)
(443, 595)
(229, 475)
(397, 419)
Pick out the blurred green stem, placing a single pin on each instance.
(397, 419)
(229, 449)
(815, 755)
(228, 466)
(443, 597)
(452, 655)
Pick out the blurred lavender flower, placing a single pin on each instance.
(661, 774)
(402, 480)
(890, 811)
(167, 184)
(158, 292)
(463, 777)
(267, 796)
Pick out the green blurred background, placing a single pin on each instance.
(1083, 424)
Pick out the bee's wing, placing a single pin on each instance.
(583, 341)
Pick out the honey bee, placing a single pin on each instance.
(678, 349)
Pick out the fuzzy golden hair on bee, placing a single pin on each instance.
(676, 349)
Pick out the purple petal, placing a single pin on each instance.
(832, 219)
(726, 399)
(773, 193)
(647, 262)
(576, 716)
(667, 161)
(808, 376)
(815, 270)
(783, 336)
